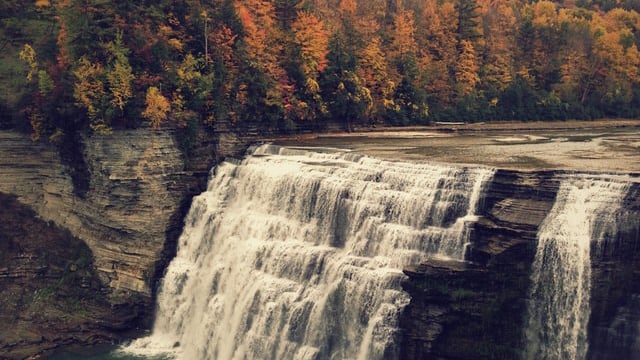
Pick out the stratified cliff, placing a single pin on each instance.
(50, 294)
(124, 196)
(136, 183)
(478, 309)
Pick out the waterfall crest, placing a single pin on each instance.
(582, 218)
(297, 254)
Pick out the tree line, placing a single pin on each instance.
(95, 65)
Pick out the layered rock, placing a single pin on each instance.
(124, 196)
(476, 312)
(479, 312)
(136, 184)
(50, 294)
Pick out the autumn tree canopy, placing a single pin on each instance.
(92, 65)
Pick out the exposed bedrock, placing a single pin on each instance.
(125, 197)
(478, 310)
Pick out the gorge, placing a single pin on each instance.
(318, 266)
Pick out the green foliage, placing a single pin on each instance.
(347, 99)
(408, 106)
(467, 20)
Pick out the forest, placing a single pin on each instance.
(69, 66)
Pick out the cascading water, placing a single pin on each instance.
(584, 215)
(296, 254)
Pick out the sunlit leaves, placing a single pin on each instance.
(42, 3)
(467, 68)
(313, 40)
(403, 37)
(28, 55)
(157, 109)
(90, 94)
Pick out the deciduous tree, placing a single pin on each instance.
(157, 109)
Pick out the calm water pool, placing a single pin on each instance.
(102, 352)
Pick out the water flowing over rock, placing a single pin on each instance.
(558, 259)
(297, 254)
(585, 213)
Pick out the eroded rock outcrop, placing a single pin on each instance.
(50, 294)
(127, 203)
(479, 312)
(137, 182)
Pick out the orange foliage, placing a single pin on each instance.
(257, 21)
(403, 33)
(467, 68)
(348, 6)
(313, 40)
(158, 107)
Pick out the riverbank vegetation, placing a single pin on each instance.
(281, 65)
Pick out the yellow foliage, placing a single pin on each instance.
(176, 44)
(119, 79)
(467, 68)
(42, 3)
(158, 107)
(89, 93)
(29, 56)
(88, 89)
(312, 86)
(545, 14)
(188, 73)
(348, 6)
(403, 41)
(165, 30)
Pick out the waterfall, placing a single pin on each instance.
(297, 254)
(583, 217)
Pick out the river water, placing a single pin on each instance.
(606, 150)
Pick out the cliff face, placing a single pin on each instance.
(478, 310)
(136, 184)
(125, 197)
(50, 294)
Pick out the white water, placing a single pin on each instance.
(584, 216)
(297, 254)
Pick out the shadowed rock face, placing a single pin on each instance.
(137, 183)
(480, 312)
(129, 212)
(50, 293)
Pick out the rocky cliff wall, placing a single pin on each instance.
(137, 187)
(477, 310)
(136, 184)
(124, 196)
(50, 294)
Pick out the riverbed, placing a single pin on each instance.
(597, 148)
